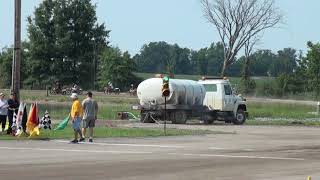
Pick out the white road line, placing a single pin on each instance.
(248, 149)
(235, 156)
(132, 145)
(76, 150)
(147, 152)
(218, 148)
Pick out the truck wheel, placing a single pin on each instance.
(240, 117)
(179, 117)
(207, 119)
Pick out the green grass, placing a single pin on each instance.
(41, 95)
(106, 112)
(282, 122)
(104, 132)
(59, 105)
(280, 110)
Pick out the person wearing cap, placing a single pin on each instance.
(3, 111)
(13, 104)
(76, 116)
(90, 108)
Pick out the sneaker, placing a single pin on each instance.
(82, 139)
(90, 140)
(74, 141)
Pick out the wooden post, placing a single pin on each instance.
(15, 87)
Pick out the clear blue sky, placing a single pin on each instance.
(136, 22)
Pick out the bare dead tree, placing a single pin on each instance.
(237, 21)
(248, 50)
(247, 84)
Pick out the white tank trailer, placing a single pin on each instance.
(209, 99)
(186, 97)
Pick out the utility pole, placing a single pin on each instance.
(94, 65)
(15, 86)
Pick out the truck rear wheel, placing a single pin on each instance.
(178, 117)
(207, 119)
(240, 117)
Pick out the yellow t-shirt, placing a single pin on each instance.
(76, 109)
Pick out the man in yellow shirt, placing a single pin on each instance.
(76, 116)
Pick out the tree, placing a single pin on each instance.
(201, 61)
(117, 67)
(65, 38)
(161, 57)
(6, 57)
(207, 61)
(215, 58)
(261, 62)
(237, 21)
(285, 62)
(153, 57)
(311, 65)
(247, 84)
(183, 60)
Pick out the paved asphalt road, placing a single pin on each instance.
(253, 152)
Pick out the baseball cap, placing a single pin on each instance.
(74, 95)
(1, 94)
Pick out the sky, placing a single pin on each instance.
(136, 22)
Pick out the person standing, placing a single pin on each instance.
(13, 104)
(3, 111)
(76, 117)
(90, 108)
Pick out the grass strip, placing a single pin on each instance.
(106, 132)
(283, 123)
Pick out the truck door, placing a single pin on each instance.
(211, 90)
(228, 98)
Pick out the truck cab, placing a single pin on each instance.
(222, 103)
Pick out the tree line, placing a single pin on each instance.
(161, 57)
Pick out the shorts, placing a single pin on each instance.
(76, 125)
(89, 122)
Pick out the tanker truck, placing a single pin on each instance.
(209, 99)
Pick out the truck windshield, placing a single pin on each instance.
(210, 87)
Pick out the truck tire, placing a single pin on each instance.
(240, 117)
(178, 117)
(207, 119)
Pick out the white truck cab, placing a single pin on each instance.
(224, 104)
